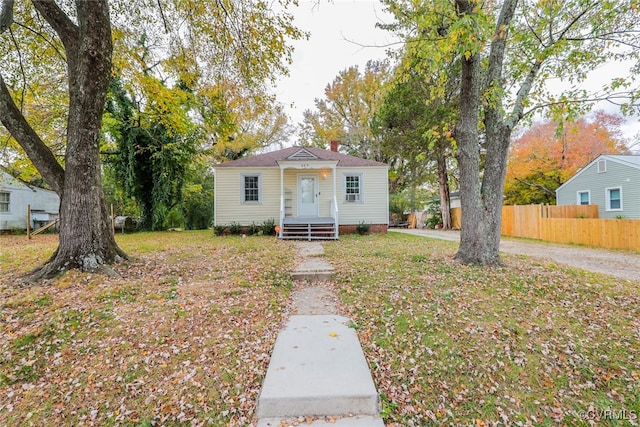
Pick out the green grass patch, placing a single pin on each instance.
(182, 338)
(527, 343)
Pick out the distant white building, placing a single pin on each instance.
(16, 195)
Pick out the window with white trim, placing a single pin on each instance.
(251, 188)
(353, 187)
(4, 201)
(614, 198)
(584, 197)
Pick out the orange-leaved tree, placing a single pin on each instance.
(548, 153)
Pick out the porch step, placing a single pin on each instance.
(309, 231)
(318, 368)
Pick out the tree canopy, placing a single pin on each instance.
(346, 112)
(173, 57)
(547, 154)
(507, 51)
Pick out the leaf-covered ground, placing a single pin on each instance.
(183, 339)
(526, 344)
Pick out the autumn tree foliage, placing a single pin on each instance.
(206, 47)
(507, 51)
(346, 111)
(547, 154)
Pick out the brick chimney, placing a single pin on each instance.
(334, 146)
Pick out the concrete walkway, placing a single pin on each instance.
(318, 375)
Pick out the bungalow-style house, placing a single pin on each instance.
(309, 192)
(610, 181)
(16, 196)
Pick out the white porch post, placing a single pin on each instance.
(281, 201)
(335, 201)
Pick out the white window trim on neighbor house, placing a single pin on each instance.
(579, 197)
(5, 202)
(608, 198)
(353, 197)
(244, 188)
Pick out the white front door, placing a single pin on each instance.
(307, 195)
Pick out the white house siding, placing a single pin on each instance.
(617, 175)
(229, 208)
(21, 195)
(375, 206)
(228, 205)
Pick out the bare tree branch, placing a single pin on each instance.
(538, 186)
(68, 32)
(41, 156)
(45, 39)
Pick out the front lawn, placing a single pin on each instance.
(526, 344)
(185, 337)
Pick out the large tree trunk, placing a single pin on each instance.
(482, 204)
(472, 234)
(86, 239)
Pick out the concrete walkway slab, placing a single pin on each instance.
(314, 300)
(357, 421)
(313, 269)
(307, 249)
(317, 368)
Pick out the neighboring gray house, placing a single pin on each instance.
(610, 181)
(16, 195)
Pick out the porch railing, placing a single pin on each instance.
(282, 209)
(334, 214)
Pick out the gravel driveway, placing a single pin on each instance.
(623, 264)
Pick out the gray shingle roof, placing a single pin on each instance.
(271, 159)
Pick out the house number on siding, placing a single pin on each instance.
(305, 165)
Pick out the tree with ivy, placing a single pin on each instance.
(240, 44)
(415, 127)
(149, 160)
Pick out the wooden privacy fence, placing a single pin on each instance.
(567, 224)
(526, 221)
(604, 233)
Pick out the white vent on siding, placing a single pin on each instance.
(302, 154)
(602, 166)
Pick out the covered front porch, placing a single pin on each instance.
(308, 198)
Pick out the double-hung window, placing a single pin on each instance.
(614, 198)
(353, 187)
(584, 198)
(4, 201)
(251, 188)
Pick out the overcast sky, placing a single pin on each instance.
(318, 60)
(333, 27)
